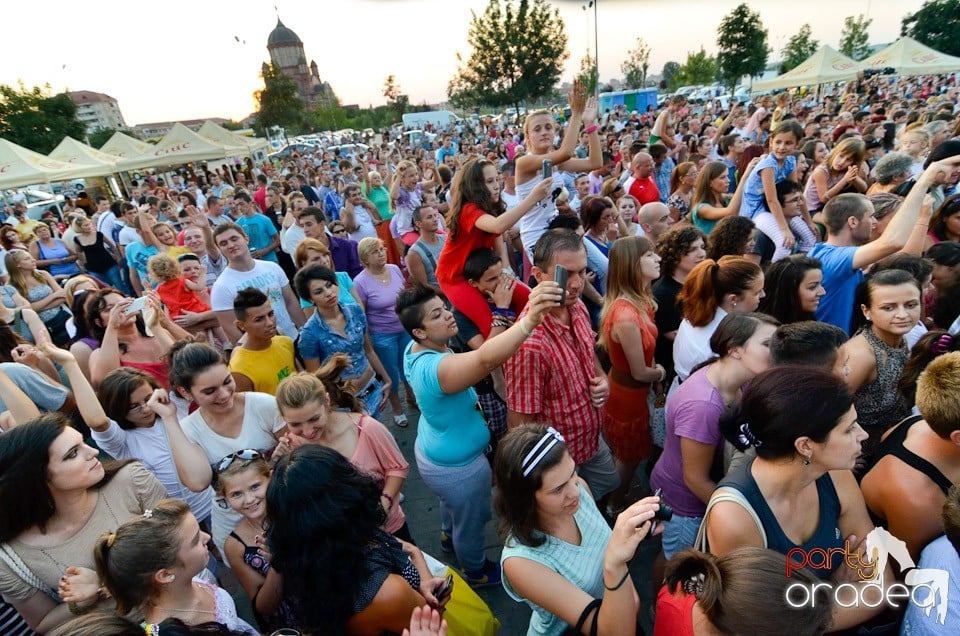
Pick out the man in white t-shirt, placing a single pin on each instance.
(243, 271)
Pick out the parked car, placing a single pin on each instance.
(38, 201)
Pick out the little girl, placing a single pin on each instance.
(151, 564)
(760, 192)
(407, 192)
(915, 143)
(839, 173)
(477, 219)
(243, 485)
(186, 297)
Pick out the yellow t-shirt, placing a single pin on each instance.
(267, 367)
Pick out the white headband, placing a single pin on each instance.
(550, 439)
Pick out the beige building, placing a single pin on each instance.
(97, 110)
(286, 51)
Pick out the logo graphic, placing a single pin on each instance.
(927, 588)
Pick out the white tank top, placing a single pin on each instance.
(535, 222)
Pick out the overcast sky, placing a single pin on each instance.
(189, 60)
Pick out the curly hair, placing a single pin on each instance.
(324, 517)
(730, 237)
(674, 245)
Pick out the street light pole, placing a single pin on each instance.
(596, 47)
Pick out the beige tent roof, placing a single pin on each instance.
(21, 167)
(825, 66)
(124, 146)
(906, 56)
(180, 145)
(217, 133)
(87, 161)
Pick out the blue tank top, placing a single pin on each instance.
(827, 534)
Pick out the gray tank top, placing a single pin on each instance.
(430, 254)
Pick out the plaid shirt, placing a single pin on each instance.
(550, 377)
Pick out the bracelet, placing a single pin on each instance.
(523, 328)
(591, 129)
(618, 585)
(389, 498)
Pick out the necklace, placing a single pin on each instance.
(183, 609)
(257, 531)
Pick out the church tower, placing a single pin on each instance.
(286, 51)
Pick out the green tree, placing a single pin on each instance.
(669, 76)
(330, 117)
(699, 68)
(742, 45)
(799, 47)
(936, 24)
(101, 136)
(854, 39)
(279, 103)
(518, 48)
(635, 67)
(395, 99)
(588, 76)
(35, 119)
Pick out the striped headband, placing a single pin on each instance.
(550, 439)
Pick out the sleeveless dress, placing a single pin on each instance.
(879, 404)
(255, 561)
(626, 413)
(59, 250)
(39, 292)
(827, 535)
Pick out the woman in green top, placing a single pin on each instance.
(709, 203)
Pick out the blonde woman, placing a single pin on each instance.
(629, 333)
(39, 287)
(378, 286)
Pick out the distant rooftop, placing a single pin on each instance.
(89, 97)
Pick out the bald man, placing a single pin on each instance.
(654, 218)
(641, 183)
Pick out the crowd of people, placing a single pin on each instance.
(734, 333)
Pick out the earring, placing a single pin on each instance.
(734, 303)
(806, 461)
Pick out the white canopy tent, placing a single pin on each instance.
(219, 134)
(906, 56)
(22, 167)
(87, 161)
(124, 146)
(823, 67)
(180, 145)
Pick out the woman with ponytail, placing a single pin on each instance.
(152, 564)
(705, 595)
(712, 290)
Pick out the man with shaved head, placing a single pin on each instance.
(641, 183)
(654, 218)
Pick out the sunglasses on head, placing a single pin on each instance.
(246, 455)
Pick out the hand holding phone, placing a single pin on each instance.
(137, 305)
(444, 589)
(560, 278)
(547, 169)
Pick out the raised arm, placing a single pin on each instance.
(191, 461)
(895, 237)
(107, 357)
(18, 404)
(87, 401)
(460, 371)
(500, 224)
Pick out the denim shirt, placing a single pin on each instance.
(317, 340)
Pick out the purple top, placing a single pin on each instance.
(380, 300)
(344, 255)
(693, 411)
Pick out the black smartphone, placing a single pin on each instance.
(444, 589)
(547, 168)
(560, 278)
